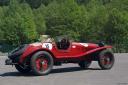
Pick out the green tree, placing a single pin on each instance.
(85, 2)
(34, 3)
(98, 16)
(119, 4)
(4, 2)
(19, 26)
(1, 24)
(46, 2)
(66, 18)
(39, 19)
(116, 29)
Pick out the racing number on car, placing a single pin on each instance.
(47, 46)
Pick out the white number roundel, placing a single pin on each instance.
(47, 45)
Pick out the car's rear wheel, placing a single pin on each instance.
(41, 63)
(84, 64)
(22, 68)
(106, 59)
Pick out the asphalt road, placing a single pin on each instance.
(69, 74)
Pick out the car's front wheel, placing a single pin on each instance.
(41, 63)
(106, 59)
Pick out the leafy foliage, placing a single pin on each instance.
(21, 21)
(18, 26)
(65, 18)
(39, 20)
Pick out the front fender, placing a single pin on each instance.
(30, 50)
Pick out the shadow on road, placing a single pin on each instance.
(71, 69)
(54, 71)
(14, 74)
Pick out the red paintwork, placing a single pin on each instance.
(105, 60)
(41, 65)
(76, 50)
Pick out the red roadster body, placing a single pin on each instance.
(41, 56)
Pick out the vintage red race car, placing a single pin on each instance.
(41, 56)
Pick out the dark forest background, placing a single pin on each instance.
(22, 21)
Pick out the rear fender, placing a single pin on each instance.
(97, 50)
(31, 50)
(94, 51)
(95, 55)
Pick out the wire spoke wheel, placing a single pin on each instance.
(106, 59)
(41, 63)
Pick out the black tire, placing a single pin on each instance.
(38, 61)
(22, 69)
(84, 64)
(106, 59)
